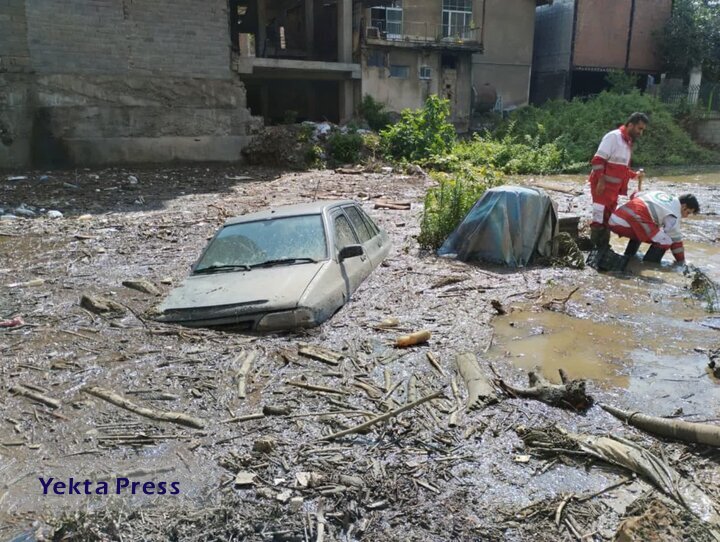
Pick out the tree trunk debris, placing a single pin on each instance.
(698, 433)
(418, 337)
(481, 392)
(569, 394)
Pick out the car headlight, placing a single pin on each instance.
(287, 320)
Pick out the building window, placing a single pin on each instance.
(457, 18)
(401, 72)
(425, 72)
(376, 59)
(387, 19)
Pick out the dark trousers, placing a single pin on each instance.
(654, 254)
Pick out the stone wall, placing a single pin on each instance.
(106, 81)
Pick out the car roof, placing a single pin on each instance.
(316, 207)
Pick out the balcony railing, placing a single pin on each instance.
(423, 33)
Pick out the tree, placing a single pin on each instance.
(691, 38)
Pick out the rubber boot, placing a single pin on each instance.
(654, 254)
(630, 250)
(600, 237)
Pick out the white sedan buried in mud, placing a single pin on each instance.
(284, 268)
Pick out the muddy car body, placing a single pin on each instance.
(283, 268)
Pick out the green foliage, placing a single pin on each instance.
(374, 113)
(420, 134)
(513, 153)
(315, 157)
(620, 82)
(305, 133)
(371, 145)
(691, 37)
(447, 203)
(345, 147)
(577, 127)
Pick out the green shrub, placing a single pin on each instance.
(374, 113)
(315, 157)
(513, 154)
(448, 203)
(577, 127)
(620, 82)
(421, 134)
(345, 147)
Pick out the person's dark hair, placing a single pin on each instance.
(691, 202)
(637, 117)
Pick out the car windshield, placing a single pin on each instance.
(278, 241)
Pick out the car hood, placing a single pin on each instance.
(269, 288)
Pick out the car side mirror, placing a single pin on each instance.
(351, 251)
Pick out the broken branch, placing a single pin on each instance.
(383, 417)
(159, 415)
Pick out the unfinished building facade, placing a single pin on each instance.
(297, 58)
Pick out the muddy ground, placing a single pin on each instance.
(415, 477)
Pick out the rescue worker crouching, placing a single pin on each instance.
(611, 175)
(653, 217)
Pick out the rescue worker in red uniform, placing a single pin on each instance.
(611, 175)
(653, 217)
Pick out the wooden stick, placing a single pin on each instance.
(159, 415)
(241, 375)
(434, 362)
(383, 417)
(320, 354)
(246, 418)
(35, 396)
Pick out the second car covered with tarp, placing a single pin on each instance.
(509, 225)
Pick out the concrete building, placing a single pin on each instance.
(578, 41)
(462, 50)
(505, 66)
(103, 81)
(297, 58)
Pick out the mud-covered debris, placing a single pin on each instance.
(276, 410)
(320, 354)
(480, 389)
(12, 322)
(387, 323)
(498, 307)
(27, 284)
(393, 205)
(100, 305)
(309, 479)
(142, 285)
(244, 479)
(35, 396)
(265, 445)
(570, 394)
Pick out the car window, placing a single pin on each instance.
(369, 221)
(252, 243)
(344, 235)
(361, 227)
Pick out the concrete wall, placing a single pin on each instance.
(506, 60)
(397, 93)
(119, 81)
(708, 131)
